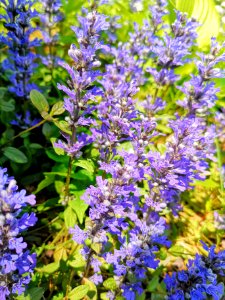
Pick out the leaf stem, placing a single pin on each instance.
(22, 132)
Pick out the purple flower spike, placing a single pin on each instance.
(20, 62)
(80, 93)
(15, 261)
(200, 280)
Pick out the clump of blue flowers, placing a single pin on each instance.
(16, 262)
(127, 204)
(201, 280)
(20, 63)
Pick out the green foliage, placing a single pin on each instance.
(79, 292)
(69, 217)
(110, 284)
(43, 168)
(85, 164)
(32, 294)
(50, 268)
(39, 101)
(78, 205)
(15, 155)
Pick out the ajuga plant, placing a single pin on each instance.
(116, 96)
(20, 63)
(80, 90)
(202, 278)
(49, 18)
(136, 183)
(16, 262)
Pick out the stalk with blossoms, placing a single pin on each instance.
(20, 64)
(121, 211)
(202, 279)
(16, 262)
(80, 90)
(141, 171)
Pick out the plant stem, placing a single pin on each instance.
(219, 159)
(88, 264)
(155, 94)
(72, 141)
(68, 177)
(22, 132)
(38, 229)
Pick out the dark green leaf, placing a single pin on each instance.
(15, 155)
(49, 179)
(8, 105)
(32, 294)
(58, 158)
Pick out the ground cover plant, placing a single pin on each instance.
(112, 150)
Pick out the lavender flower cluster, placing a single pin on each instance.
(201, 280)
(137, 185)
(81, 93)
(15, 261)
(20, 63)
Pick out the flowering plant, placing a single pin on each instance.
(128, 174)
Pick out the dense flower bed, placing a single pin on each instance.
(121, 142)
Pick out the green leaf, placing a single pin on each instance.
(35, 146)
(49, 179)
(140, 297)
(69, 217)
(96, 247)
(39, 101)
(178, 250)
(50, 268)
(48, 204)
(7, 106)
(32, 294)
(83, 175)
(153, 283)
(15, 155)
(92, 293)
(51, 154)
(164, 128)
(59, 186)
(208, 183)
(79, 206)
(57, 108)
(110, 284)
(85, 164)
(62, 125)
(49, 130)
(79, 292)
(59, 296)
(77, 261)
(206, 14)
